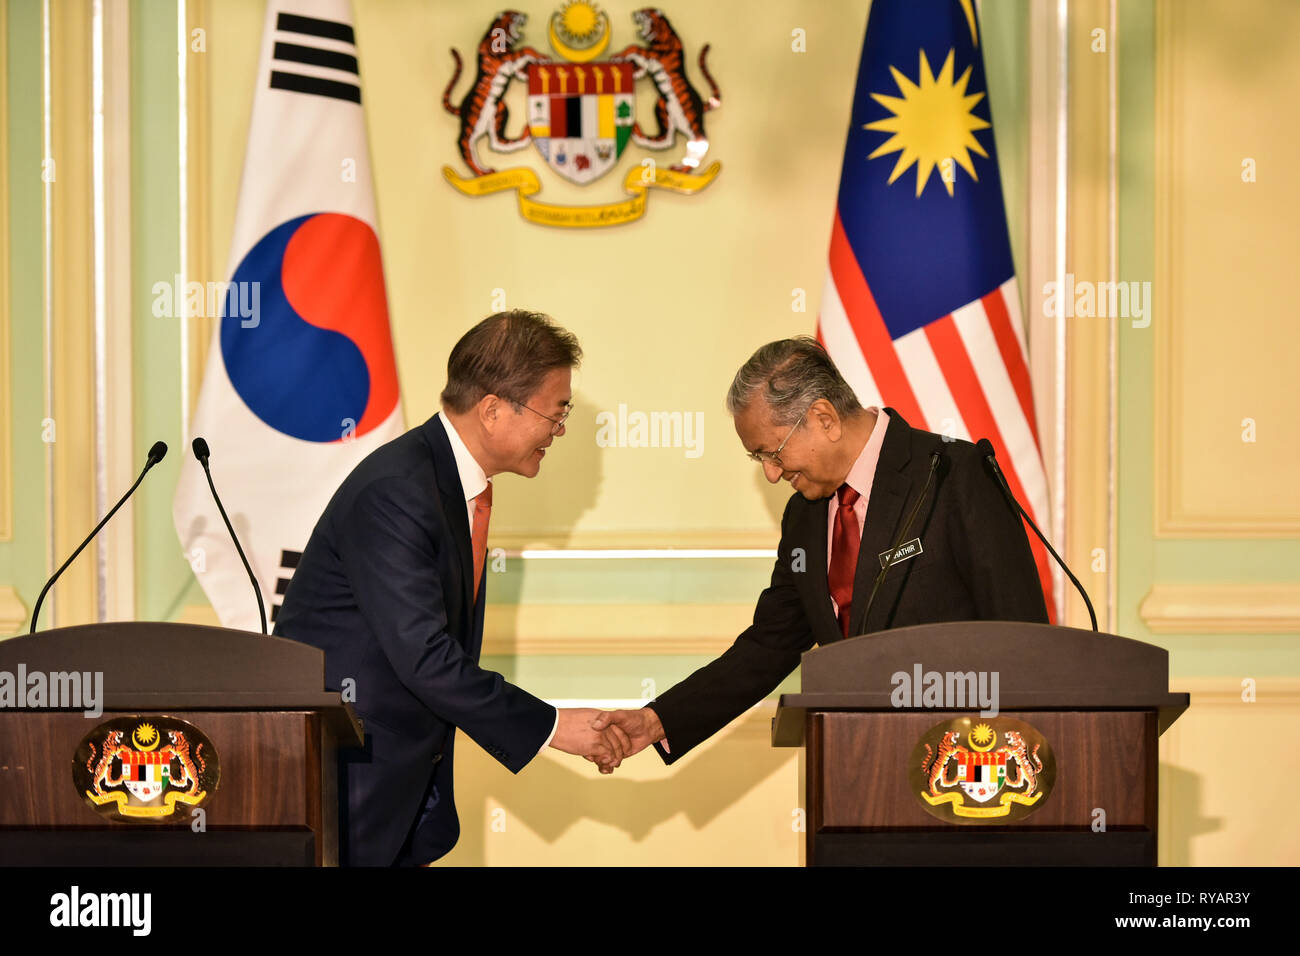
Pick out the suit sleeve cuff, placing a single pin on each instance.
(661, 745)
(551, 735)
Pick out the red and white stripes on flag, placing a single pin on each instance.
(920, 310)
(965, 375)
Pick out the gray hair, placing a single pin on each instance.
(789, 376)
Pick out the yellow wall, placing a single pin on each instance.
(666, 308)
(1212, 570)
(1223, 799)
(1226, 247)
(735, 801)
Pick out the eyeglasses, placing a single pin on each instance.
(557, 423)
(763, 457)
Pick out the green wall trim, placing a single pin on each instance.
(23, 560)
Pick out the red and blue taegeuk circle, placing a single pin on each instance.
(316, 362)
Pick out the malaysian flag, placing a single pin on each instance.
(921, 310)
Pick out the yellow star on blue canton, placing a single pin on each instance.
(932, 124)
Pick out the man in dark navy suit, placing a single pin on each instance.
(858, 474)
(391, 588)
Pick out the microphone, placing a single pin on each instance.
(156, 454)
(986, 449)
(201, 453)
(889, 561)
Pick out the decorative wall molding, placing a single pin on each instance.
(1048, 53)
(6, 386)
(1226, 691)
(637, 540)
(13, 612)
(71, 269)
(511, 630)
(1173, 517)
(199, 264)
(118, 462)
(1088, 369)
(593, 629)
(1222, 609)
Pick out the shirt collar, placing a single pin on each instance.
(473, 479)
(863, 472)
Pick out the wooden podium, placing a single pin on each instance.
(875, 795)
(257, 742)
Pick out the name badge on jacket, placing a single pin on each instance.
(906, 550)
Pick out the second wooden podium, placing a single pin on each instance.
(907, 765)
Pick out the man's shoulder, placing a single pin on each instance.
(397, 457)
(406, 466)
(959, 456)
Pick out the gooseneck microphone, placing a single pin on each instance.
(986, 449)
(156, 454)
(889, 561)
(201, 453)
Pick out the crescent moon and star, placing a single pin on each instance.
(579, 31)
(143, 733)
(982, 733)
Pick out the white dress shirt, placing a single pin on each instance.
(474, 480)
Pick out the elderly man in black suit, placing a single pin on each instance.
(860, 475)
(391, 588)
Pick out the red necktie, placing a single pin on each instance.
(845, 539)
(478, 539)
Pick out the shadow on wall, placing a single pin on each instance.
(176, 603)
(547, 506)
(180, 600)
(1182, 791)
(552, 796)
(567, 485)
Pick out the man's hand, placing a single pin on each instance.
(578, 734)
(640, 728)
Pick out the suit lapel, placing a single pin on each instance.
(452, 494)
(891, 493)
(812, 530)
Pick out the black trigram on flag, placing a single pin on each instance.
(303, 49)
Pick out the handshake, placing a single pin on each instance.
(606, 737)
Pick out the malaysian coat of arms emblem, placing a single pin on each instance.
(975, 771)
(140, 768)
(581, 112)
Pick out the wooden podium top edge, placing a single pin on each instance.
(788, 724)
